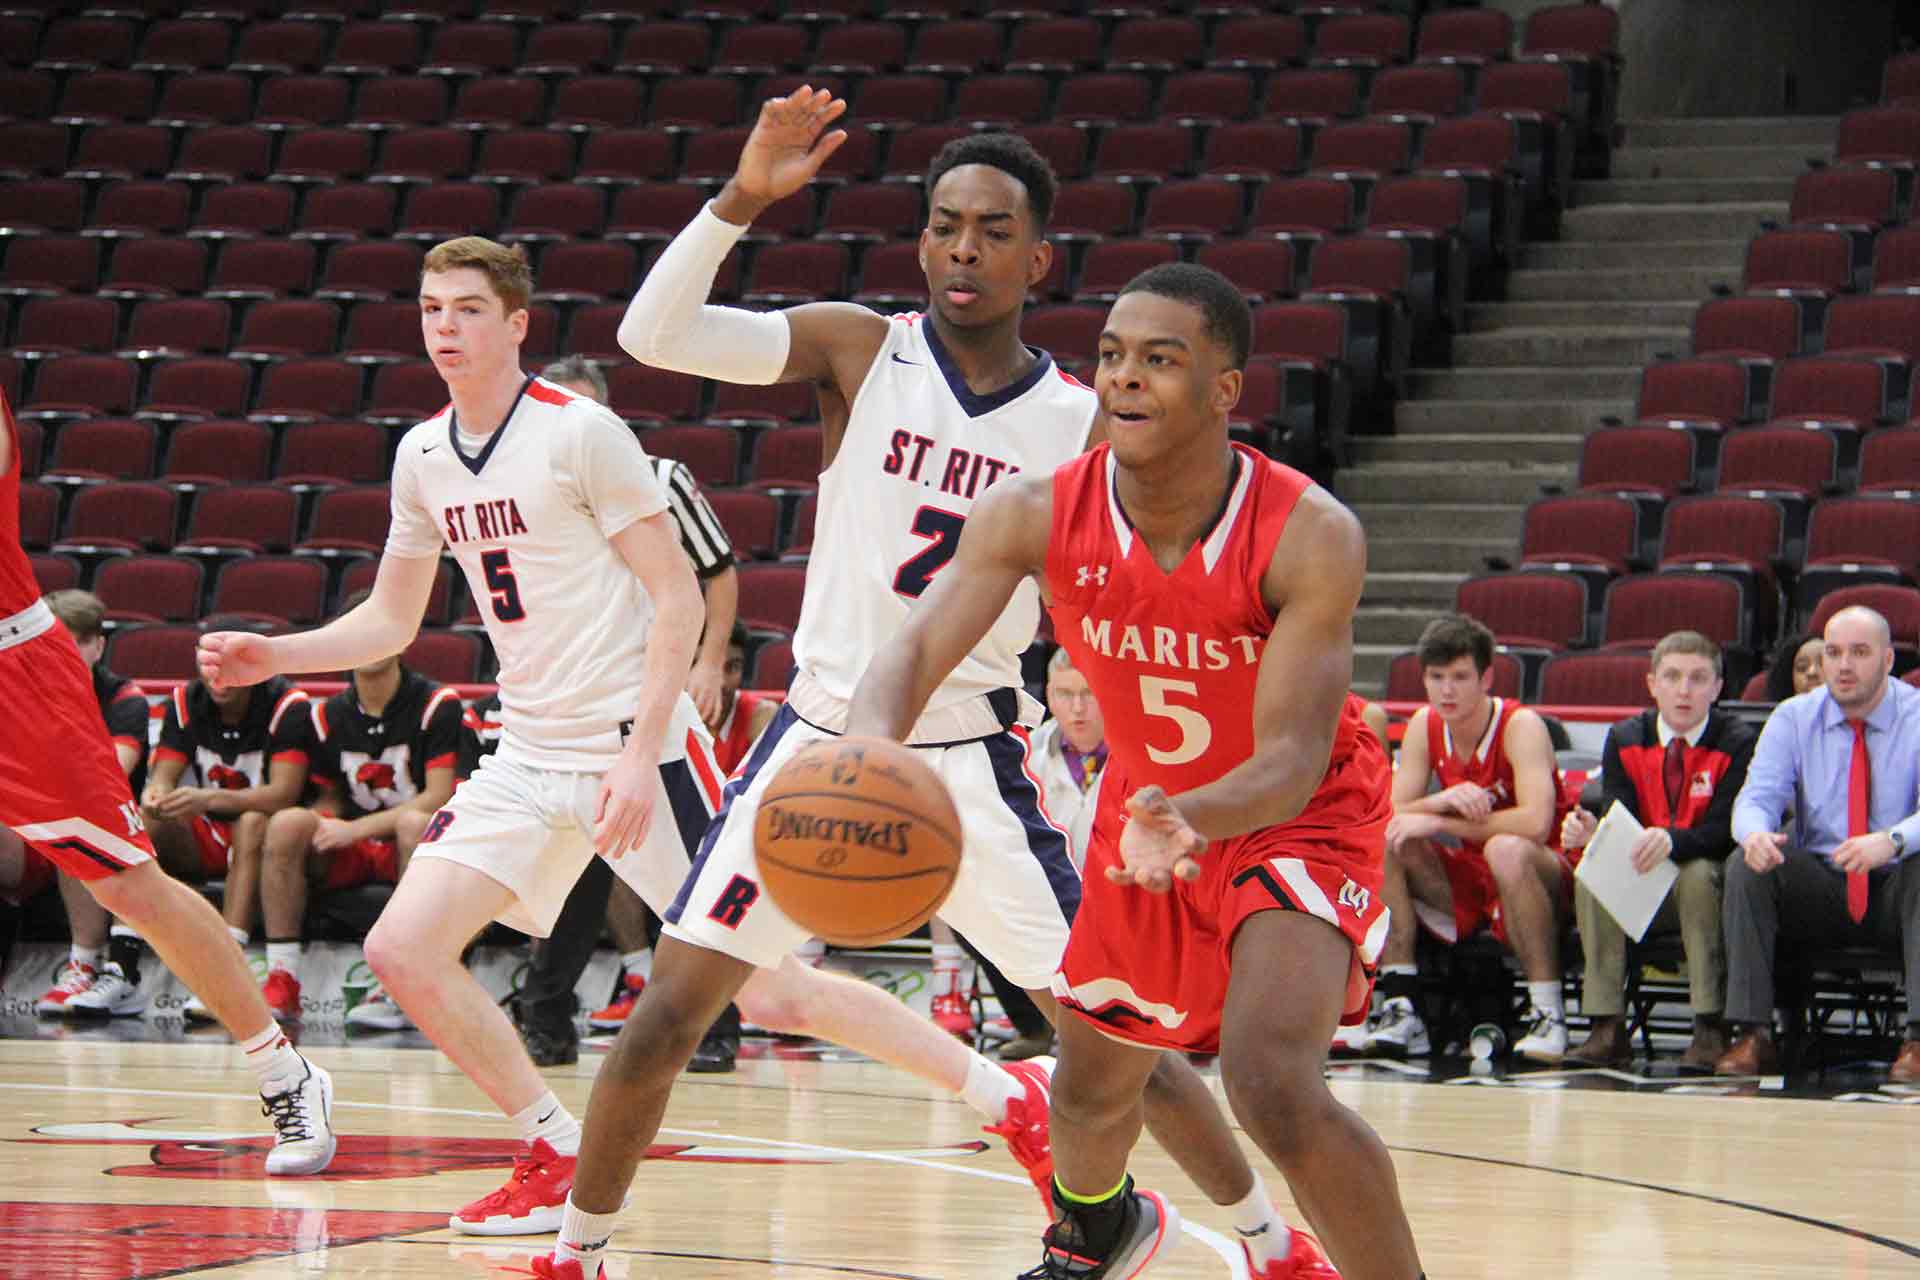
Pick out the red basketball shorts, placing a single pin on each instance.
(1476, 897)
(61, 787)
(214, 838)
(368, 861)
(1153, 968)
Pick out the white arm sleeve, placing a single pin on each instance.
(668, 324)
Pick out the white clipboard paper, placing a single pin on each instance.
(1607, 870)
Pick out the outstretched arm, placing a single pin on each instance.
(670, 324)
(1004, 541)
(384, 625)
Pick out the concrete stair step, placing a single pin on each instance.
(1768, 160)
(1559, 450)
(1388, 630)
(1525, 383)
(1569, 346)
(1429, 590)
(1393, 519)
(1431, 483)
(1682, 251)
(1435, 555)
(1639, 284)
(1492, 317)
(1638, 222)
(1679, 191)
(1729, 131)
(1572, 417)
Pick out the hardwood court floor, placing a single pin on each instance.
(133, 1160)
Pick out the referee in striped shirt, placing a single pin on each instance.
(545, 1005)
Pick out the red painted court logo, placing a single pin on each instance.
(176, 1152)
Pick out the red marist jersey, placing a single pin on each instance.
(18, 588)
(1173, 658)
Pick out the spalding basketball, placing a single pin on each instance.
(857, 840)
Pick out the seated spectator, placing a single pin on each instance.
(1477, 853)
(387, 749)
(101, 978)
(226, 762)
(1677, 769)
(743, 713)
(1795, 668)
(1845, 760)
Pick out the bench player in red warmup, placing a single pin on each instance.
(63, 796)
(1233, 873)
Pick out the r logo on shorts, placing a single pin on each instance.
(740, 894)
(437, 826)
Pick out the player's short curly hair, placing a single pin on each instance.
(1010, 153)
(1229, 319)
(506, 269)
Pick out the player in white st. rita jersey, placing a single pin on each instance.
(921, 415)
(551, 508)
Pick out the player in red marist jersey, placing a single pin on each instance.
(63, 794)
(1232, 877)
(1477, 851)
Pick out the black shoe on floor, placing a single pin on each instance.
(716, 1054)
(549, 1048)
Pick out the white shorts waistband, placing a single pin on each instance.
(34, 620)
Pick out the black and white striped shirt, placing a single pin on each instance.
(700, 531)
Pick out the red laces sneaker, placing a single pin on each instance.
(531, 1202)
(1025, 1128)
(1304, 1261)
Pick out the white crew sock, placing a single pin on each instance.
(1547, 996)
(1267, 1238)
(547, 1119)
(989, 1088)
(273, 1059)
(284, 956)
(238, 935)
(946, 968)
(584, 1236)
(92, 957)
(640, 962)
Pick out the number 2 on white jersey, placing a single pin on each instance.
(1196, 733)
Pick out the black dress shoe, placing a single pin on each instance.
(548, 1047)
(716, 1054)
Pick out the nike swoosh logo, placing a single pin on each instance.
(543, 1119)
(903, 360)
(429, 448)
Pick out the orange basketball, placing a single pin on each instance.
(857, 840)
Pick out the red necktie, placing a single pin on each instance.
(1859, 789)
(1673, 772)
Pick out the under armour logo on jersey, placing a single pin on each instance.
(1096, 574)
(1354, 898)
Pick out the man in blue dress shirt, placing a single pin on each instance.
(1844, 761)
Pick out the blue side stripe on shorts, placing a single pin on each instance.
(735, 788)
(1047, 842)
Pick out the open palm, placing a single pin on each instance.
(786, 148)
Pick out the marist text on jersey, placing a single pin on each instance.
(1166, 647)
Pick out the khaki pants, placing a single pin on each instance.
(1692, 907)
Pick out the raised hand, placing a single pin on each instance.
(231, 659)
(1156, 845)
(787, 146)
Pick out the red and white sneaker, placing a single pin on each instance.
(614, 1016)
(1304, 1261)
(551, 1268)
(953, 1015)
(1028, 1136)
(532, 1202)
(74, 978)
(281, 991)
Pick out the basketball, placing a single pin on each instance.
(857, 840)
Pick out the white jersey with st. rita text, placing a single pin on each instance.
(530, 518)
(919, 448)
